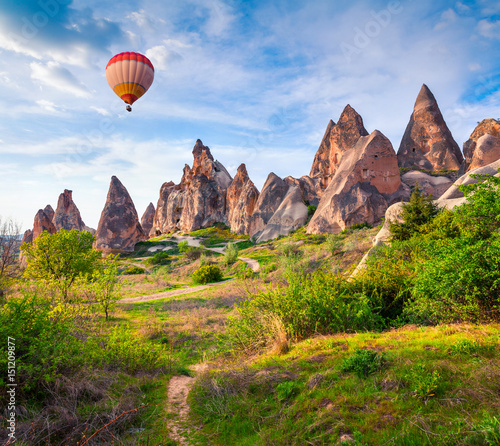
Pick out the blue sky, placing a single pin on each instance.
(256, 81)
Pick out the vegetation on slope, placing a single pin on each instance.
(299, 352)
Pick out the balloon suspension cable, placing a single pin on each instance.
(129, 108)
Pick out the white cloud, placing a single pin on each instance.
(58, 77)
(489, 28)
(162, 57)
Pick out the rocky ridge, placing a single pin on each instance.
(354, 178)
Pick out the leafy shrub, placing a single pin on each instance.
(207, 274)
(44, 338)
(314, 303)
(193, 253)
(424, 383)
(388, 276)
(419, 211)
(458, 280)
(289, 250)
(183, 246)
(311, 209)
(333, 243)
(363, 363)
(362, 225)
(231, 253)
(130, 270)
(479, 217)
(287, 390)
(160, 258)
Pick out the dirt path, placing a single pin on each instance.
(192, 242)
(179, 387)
(171, 293)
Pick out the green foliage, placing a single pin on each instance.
(122, 350)
(43, 329)
(457, 280)
(207, 274)
(289, 250)
(231, 253)
(388, 276)
(160, 258)
(423, 382)
(287, 390)
(479, 217)
(311, 209)
(490, 426)
(131, 270)
(103, 288)
(419, 211)
(363, 363)
(333, 243)
(183, 246)
(316, 303)
(60, 258)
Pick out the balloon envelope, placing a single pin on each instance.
(130, 75)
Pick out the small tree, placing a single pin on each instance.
(231, 253)
(105, 286)
(59, 259)
(415, 214)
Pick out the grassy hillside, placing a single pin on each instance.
(296, 352)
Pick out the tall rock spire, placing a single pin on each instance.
(338, 138)
(427, 142)
(119, 228)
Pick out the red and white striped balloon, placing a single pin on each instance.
(130, 75)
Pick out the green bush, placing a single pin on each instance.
(134, 270)
(207, 274)
(363, 363)
(45, 344)
(183, 246)
(311, 209)
(315, 303)
(333, 243)
(231, 253)
(160, 258)
(424, 383)
(418, 212)
(457, 280)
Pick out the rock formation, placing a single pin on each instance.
(147, 218)
(43, 223)
(241, 198)
(310, 188)
(67, 216)
(483, 146)
(427, 142)
(431, 185)
(337, 139)
(49, 212)
(161, 218)
(366, 182)
(204, 186)
(270, 198)
(290, 215)
(27, 237)
(119, 228)
(198, 201)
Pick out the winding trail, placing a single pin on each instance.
(192, 241)
(178, 390)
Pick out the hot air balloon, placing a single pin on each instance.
(130, 75)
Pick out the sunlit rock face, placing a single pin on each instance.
(119, 228)
(366, 182)
(427, 142)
